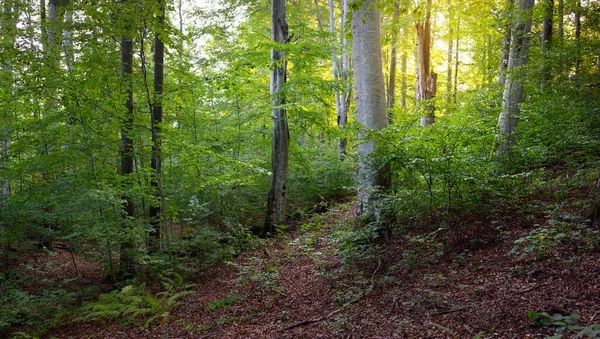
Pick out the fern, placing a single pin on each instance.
(135, 302)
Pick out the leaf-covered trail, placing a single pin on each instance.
(298, 278)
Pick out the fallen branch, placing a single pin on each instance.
(451, 310)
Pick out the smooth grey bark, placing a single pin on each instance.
(506, 42)
(276, 201)
(156, 209)
(547, 41)
(513, 88)
(371, 109)
(427, 80)
(403, 86)
(450, 45)
(391, 90)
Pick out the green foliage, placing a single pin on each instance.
(135, 302)
(36, 312)
(564, 323)
(218, 304)
(539, 243)
(260, 276)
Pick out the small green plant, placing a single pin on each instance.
(133, 302)
(563, 323)
(224, 303)
(539, 243)
(260, 276)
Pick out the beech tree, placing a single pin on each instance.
(276, 200)
(513, 87)
(371, 110)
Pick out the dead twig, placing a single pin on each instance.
(458, 309)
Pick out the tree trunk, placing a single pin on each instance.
(370, 108)
(8, 27)
(449, 75)
(547, 41)
(336, 71)
(426, 78)
(346, 92)
(155, 210)
(276, 200)
(513, 88)
(126, 262)
(506, 42)
(456, 61)
(560, 17)
(578, 39)
(391, 90)
(404, 85)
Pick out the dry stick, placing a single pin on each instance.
(331, 314)
(451, 310)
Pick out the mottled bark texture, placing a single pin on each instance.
(276, 200)
(450, 45)
(513, 88)
(371, 109)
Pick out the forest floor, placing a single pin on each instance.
(459, 281)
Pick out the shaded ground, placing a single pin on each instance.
(297, 287)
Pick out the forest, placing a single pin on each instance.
(300, 168)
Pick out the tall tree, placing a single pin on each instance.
(450, 42)
(426, 79)
(8, 27)
(276, 200)
(578, 39)
(510, 4)
(157, 119)
(371, 110)
(547, 40)
(391, 90)
(513, 87)
(126, 262)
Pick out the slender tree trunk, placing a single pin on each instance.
(456, 61)
(335, 65)
(155, 210)
(276, 201)
(67, 42)
(506, 42)
(391, 90)
(370, 108)
(560, 17)
(8, 27)
(578, 39)
(547, 41)
(404, 84)
(346, 92)
(427, 79)
(126, 262)
(450, 43)
(513, 88)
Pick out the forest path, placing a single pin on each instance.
(297, 287)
